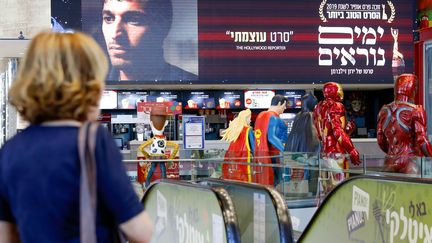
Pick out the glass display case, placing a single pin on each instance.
(305, 178)
(423, 69)
(427, 79)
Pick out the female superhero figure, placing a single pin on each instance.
(401, 130)
(241, 138)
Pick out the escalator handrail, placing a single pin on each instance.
(283, 217)
(227, 207)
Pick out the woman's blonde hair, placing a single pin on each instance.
(61, 77)
(236, 126)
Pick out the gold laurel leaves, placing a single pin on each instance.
(321, 11)
(393, 12)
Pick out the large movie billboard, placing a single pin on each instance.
(280, 41)
(251, 41)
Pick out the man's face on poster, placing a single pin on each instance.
(124, 26)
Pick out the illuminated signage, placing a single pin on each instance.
(267, 42)
(108, 100)
(258, 99)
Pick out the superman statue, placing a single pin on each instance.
(270, 136)
(239, 154)
(333, 132)
(401, 130)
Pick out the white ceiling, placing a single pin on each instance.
(13, 47)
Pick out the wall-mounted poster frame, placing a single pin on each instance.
(193, 132)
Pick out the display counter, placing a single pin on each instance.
(368, 146)
(208, 145)
(365, 146)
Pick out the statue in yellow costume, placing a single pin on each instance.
(155, 148)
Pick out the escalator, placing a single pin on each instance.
(374, 209)
(184, 212)
(261, 211)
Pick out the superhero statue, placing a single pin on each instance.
(333, 132)
(401, 130)
(270, 136)
(303, 141)
(157, 145)
(241, 137)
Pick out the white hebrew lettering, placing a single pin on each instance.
(382, 61)
(347, 56)
(325, 52)
(372, 51)
(364, 52)
(335, 30)
(370, 31)
(336, 51)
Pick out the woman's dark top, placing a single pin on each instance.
(39, 185)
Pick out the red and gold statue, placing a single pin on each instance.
(401, 131)
(333, 131)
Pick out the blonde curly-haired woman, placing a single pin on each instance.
(58, 87)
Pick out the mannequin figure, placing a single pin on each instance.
(241, 138)
(333, 132)
(303, 136)
(356, 108)
(402, 130)
(157, 144)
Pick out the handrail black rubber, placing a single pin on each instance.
(227, 206)
(283, 217)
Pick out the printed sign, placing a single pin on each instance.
(374, 210)
(144, 109)
(163, 96)
(193, 132)
(108, 99)
(360, 201)
(199, 100)
(229, 99)
(129, 99)
(293, 96)
(185, 214)
(258, 99)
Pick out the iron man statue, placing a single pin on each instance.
(401, 130)
(333, 131)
